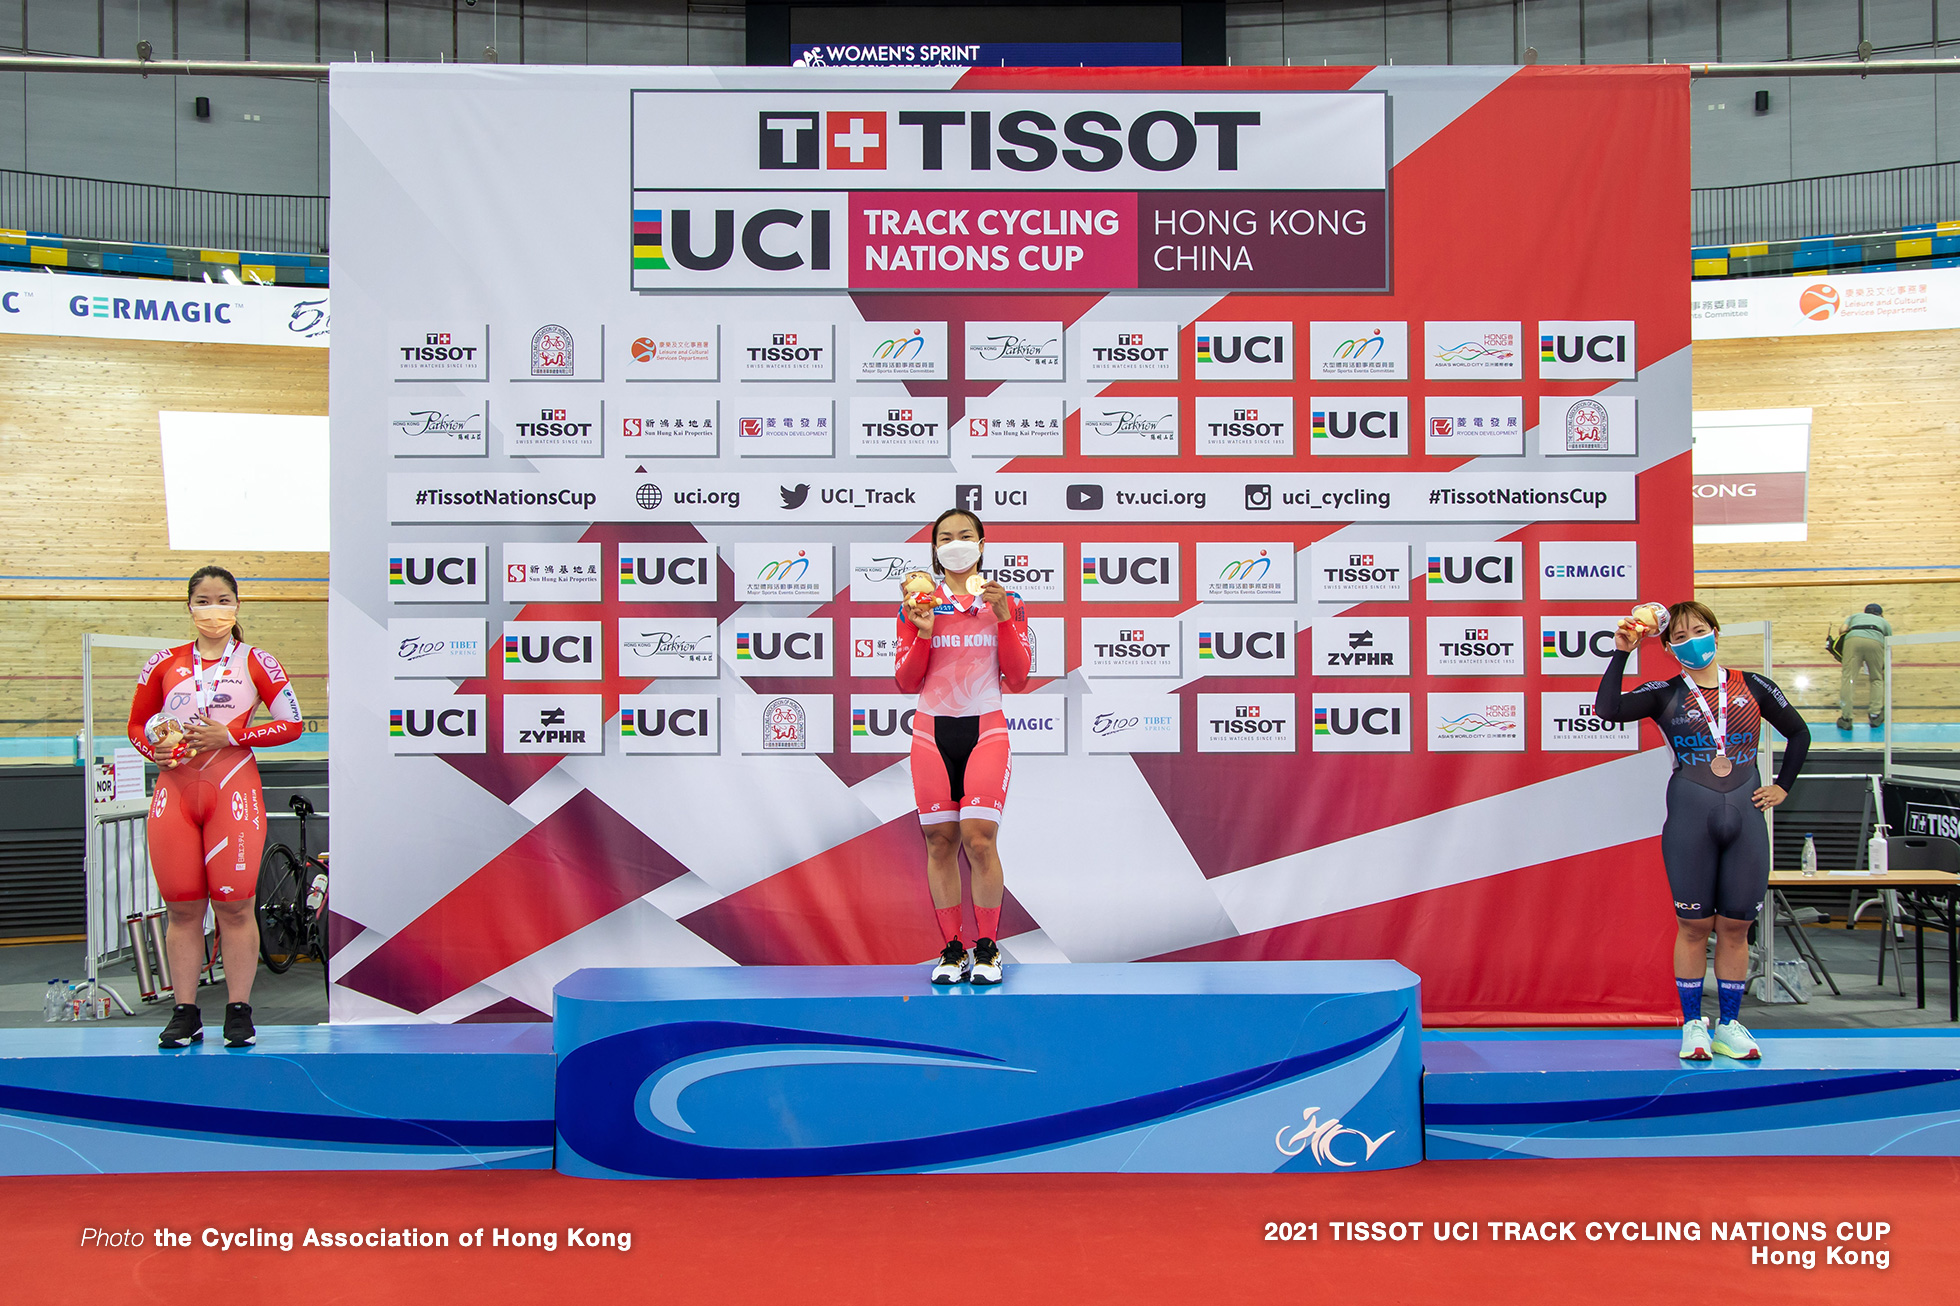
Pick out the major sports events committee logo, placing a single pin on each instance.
(898, 351)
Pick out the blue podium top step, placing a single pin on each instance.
(771, 983)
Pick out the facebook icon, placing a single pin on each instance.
(968, 497)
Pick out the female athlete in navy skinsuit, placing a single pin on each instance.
(1715, 843)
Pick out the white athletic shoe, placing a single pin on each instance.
(953, 966)
(1694, 1040)
(986, 962)
(1735, 1042)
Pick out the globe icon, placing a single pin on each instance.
(647, 496)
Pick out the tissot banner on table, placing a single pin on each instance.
(648, 383)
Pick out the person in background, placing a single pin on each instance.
(1865, 634)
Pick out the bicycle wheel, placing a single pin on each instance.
(278, 909)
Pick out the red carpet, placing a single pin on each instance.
(1040, 1238)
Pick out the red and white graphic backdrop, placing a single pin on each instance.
(496, 208)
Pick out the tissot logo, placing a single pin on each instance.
(1365, 569)
(1020, 140)
(1130, 646)
(1476, 646)
(1246, 723)
(1568, 724)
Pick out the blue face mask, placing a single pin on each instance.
(1695, 653)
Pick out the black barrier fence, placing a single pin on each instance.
(1892, 199)
(84, 208)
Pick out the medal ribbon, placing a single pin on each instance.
(953, 599)
(1721, 696)
(204, 696)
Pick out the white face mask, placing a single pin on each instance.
(959, 555)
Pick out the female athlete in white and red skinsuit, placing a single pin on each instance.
(955, 649)
(207, 818)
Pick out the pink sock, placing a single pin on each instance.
(949, 922)
(989, 918)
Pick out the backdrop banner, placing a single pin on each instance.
(1326, 419)
(147, 308)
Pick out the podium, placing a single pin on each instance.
(88, 1099)
(799, 1070)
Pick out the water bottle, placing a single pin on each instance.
(1878, 857)
(316, 893)
(1810, 854)
(51, 1002)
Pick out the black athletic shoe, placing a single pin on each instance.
(186, 1027)
(238, 1025)
(986, 962)
(953, 966)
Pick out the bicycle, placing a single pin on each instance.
(292, 900)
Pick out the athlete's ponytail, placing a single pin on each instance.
(231, 581)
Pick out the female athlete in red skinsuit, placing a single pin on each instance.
(207, 818)
(955, 649)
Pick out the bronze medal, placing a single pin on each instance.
(1720, 765)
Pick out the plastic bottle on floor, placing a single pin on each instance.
(51, 1001)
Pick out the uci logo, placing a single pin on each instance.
(430, 570)
(661, 569)
(535, 650)
(681, 722)
(1126, 570)
(1571, 642)
(772, 239)
(1226, 645)
(421, 723)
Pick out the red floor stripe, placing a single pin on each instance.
(1038, 1238)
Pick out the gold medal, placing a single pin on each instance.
(975, 584)
(1720, 765)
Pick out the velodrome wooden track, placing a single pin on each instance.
(1884, 500)
(84, 543)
